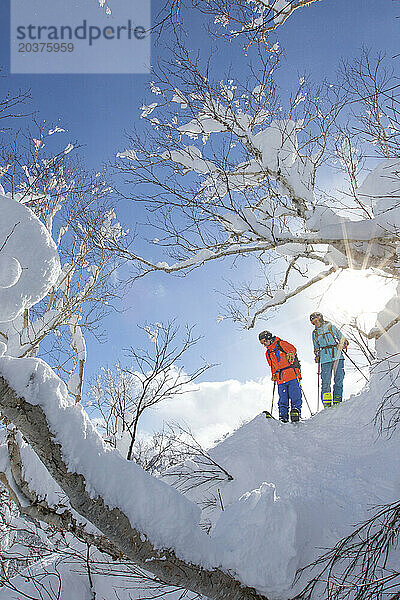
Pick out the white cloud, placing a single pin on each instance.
(212, 409)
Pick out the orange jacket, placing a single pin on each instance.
(279, 363)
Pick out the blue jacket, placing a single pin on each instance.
(325, 339)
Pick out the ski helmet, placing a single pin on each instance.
(267, 336)
(317, 315)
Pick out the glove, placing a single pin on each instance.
(273, 378)
(290, 356)
(342, 345)
(316, 352)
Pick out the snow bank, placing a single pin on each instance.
(299, 488)
(264, 517)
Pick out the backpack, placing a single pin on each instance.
(330, 347)
(296, 364)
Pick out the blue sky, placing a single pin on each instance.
(97, 110)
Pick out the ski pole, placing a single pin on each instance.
(266, 412)
(273, 395)
(302, 391)
(352, 361)
(319, 381)
(305, 397)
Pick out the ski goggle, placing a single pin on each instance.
(267, 341)
(316, 315)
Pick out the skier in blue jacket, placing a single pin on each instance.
(329, 344)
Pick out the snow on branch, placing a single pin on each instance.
(281, 296)
(234, 173)
(387, 318)
(34, 503)
(253, 21)
(25, 276)
(105, 6)
(72, 207)
(377, 332)
(148, 521)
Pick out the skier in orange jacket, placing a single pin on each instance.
(285, 368)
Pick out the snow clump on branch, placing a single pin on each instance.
(25, 275)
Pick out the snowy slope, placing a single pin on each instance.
(297, 488)
(301, 487)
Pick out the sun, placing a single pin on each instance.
(357, 294)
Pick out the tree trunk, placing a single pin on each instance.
(113, 523)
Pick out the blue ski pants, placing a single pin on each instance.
(289, 392)
(337, 367)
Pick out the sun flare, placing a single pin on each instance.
(357, 294)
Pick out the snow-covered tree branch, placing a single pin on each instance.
(234, 173)
(253, 21)
(131, 527)
(75, 209)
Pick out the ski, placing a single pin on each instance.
(268, 415)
